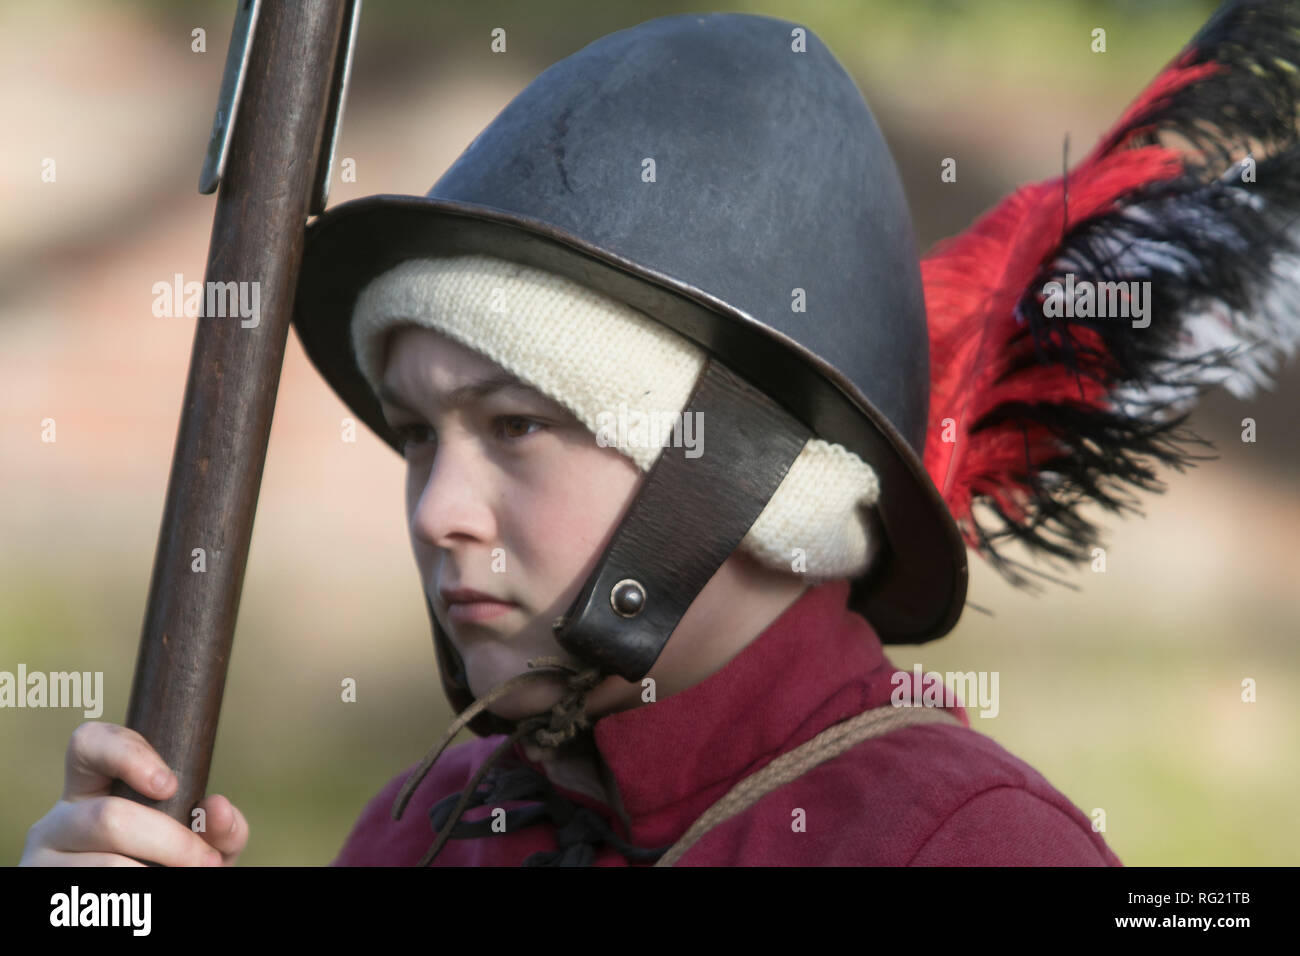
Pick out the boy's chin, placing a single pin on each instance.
(536, 696)
(491, 663)
(527, 701)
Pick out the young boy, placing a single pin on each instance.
(675, 634)
(761, 662)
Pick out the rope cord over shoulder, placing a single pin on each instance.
(789, 766)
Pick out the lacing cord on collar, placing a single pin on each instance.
(579, 830)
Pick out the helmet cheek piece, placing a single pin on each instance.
(687, 519)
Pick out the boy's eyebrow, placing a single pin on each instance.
(465, 394)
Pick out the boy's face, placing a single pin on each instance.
(507, 494)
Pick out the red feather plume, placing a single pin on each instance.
(1035, 413)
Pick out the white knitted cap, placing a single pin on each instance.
(607, 363)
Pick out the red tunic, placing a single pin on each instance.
(935, 794)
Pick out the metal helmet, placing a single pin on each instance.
(712, 171)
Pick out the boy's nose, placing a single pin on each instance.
(454, 501)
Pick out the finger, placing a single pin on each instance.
(100, 753)
(118, 825)
(227, 830)
(48, 857)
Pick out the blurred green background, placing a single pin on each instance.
(1124, 693)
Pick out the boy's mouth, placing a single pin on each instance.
(478, 610)
(467, 604)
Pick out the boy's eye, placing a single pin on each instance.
(414, 434)
(516, 426)
(509, 427)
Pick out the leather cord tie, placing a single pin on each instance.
(561, 723)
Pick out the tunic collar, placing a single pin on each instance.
(808, 669)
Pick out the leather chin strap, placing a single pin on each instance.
(688, 518)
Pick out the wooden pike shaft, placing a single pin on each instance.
(257, 237)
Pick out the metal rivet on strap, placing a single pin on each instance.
(627, 598)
